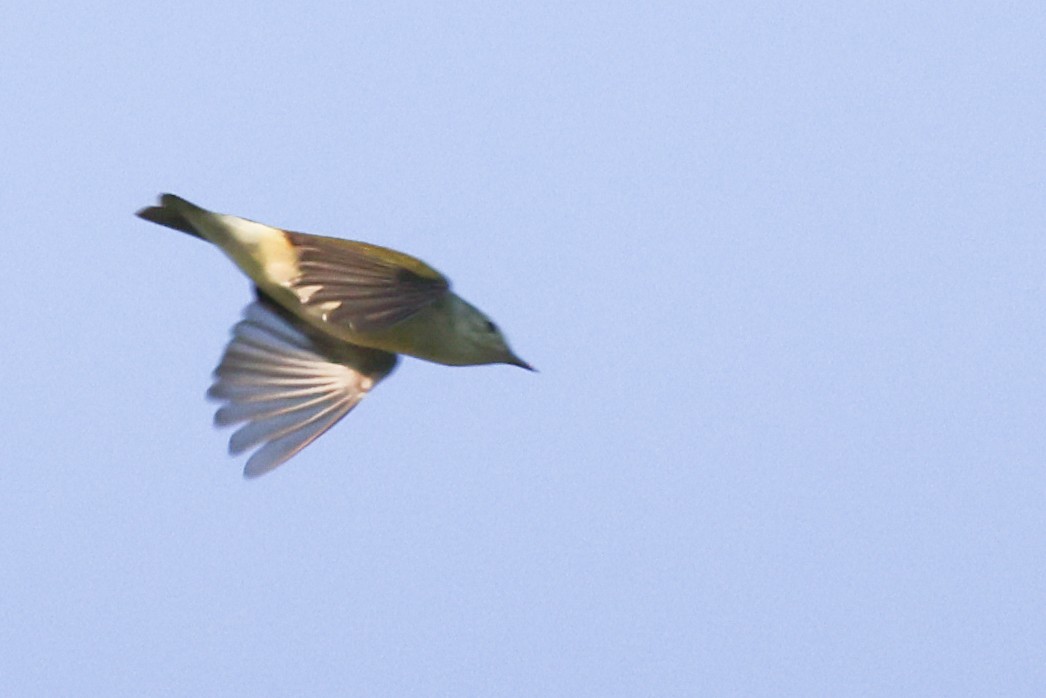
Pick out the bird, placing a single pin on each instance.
(329, 320)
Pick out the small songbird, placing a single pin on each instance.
(330, 318)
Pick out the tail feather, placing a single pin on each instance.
(169, 217)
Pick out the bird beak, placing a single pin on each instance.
(516, 361)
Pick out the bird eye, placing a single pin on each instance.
(491, 327)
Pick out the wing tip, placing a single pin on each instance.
(253, 473)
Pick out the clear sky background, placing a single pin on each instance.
(781, 266)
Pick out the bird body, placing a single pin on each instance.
(331, 317)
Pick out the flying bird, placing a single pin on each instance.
(328, 323)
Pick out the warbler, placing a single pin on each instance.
(329, 320)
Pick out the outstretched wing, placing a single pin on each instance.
(363, 287)
(285, 388)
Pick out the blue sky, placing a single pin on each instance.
(781, 269)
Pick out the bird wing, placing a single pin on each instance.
(361, 286)
(286, 388)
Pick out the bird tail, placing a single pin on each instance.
(168, 216)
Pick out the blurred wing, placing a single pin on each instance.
(361, 286)
(285, 389)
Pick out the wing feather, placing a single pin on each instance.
(362, 286)
(286, 389)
